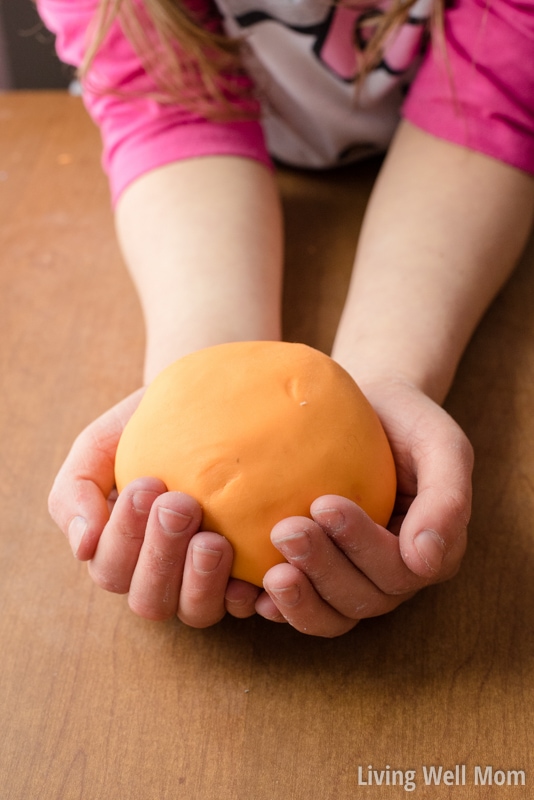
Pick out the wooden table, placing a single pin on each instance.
(97, 704)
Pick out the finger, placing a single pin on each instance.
(434, 465)
(240, 598)
(374, 550)
(206, 573)
(78, 498)
(300, 605)
(267, 608)
(433, 535)
(157, 577)
(115, 559)
(334, 572)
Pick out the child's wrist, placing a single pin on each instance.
(374, 371)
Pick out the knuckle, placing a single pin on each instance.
(380, 605)
(196, 597)
(160, 563)
(326, 630)
(402, 587)
(128, 534)
(459, 506)
(107, 583)
(156, 612)
(197, 620)
(54, 505)
(320, 576)
(466, 449)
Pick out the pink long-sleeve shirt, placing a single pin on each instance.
(301, 59)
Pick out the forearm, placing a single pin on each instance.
(203, 242)
(443, 231)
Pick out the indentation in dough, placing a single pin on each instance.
(294, 389)
(218, 477)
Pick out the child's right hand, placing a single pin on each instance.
(147, 542)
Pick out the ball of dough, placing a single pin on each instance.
(256, 431)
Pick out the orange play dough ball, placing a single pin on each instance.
(256, 431)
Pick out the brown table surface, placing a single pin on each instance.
(97, 703)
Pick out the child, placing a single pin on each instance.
(187, 118)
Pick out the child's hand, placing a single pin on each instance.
(342, 566)
(147, 541)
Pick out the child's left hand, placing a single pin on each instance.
(343, 567)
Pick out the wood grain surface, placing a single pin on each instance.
(97, 704)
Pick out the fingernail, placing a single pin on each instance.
(287, 595)
(330, 518)
(295, 546)
(142, 500)
(76, 531)
(431, 548)
(205, 560)
(172, 521)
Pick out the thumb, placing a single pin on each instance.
(433, 536)
(78, 500)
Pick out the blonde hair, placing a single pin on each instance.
(194, 63)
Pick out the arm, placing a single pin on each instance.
(203, 242)
(400, 337)
(201, 234)
(458, 222)
(207, 265)
(442, 233)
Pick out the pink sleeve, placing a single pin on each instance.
(480, 94)
(139, 134)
